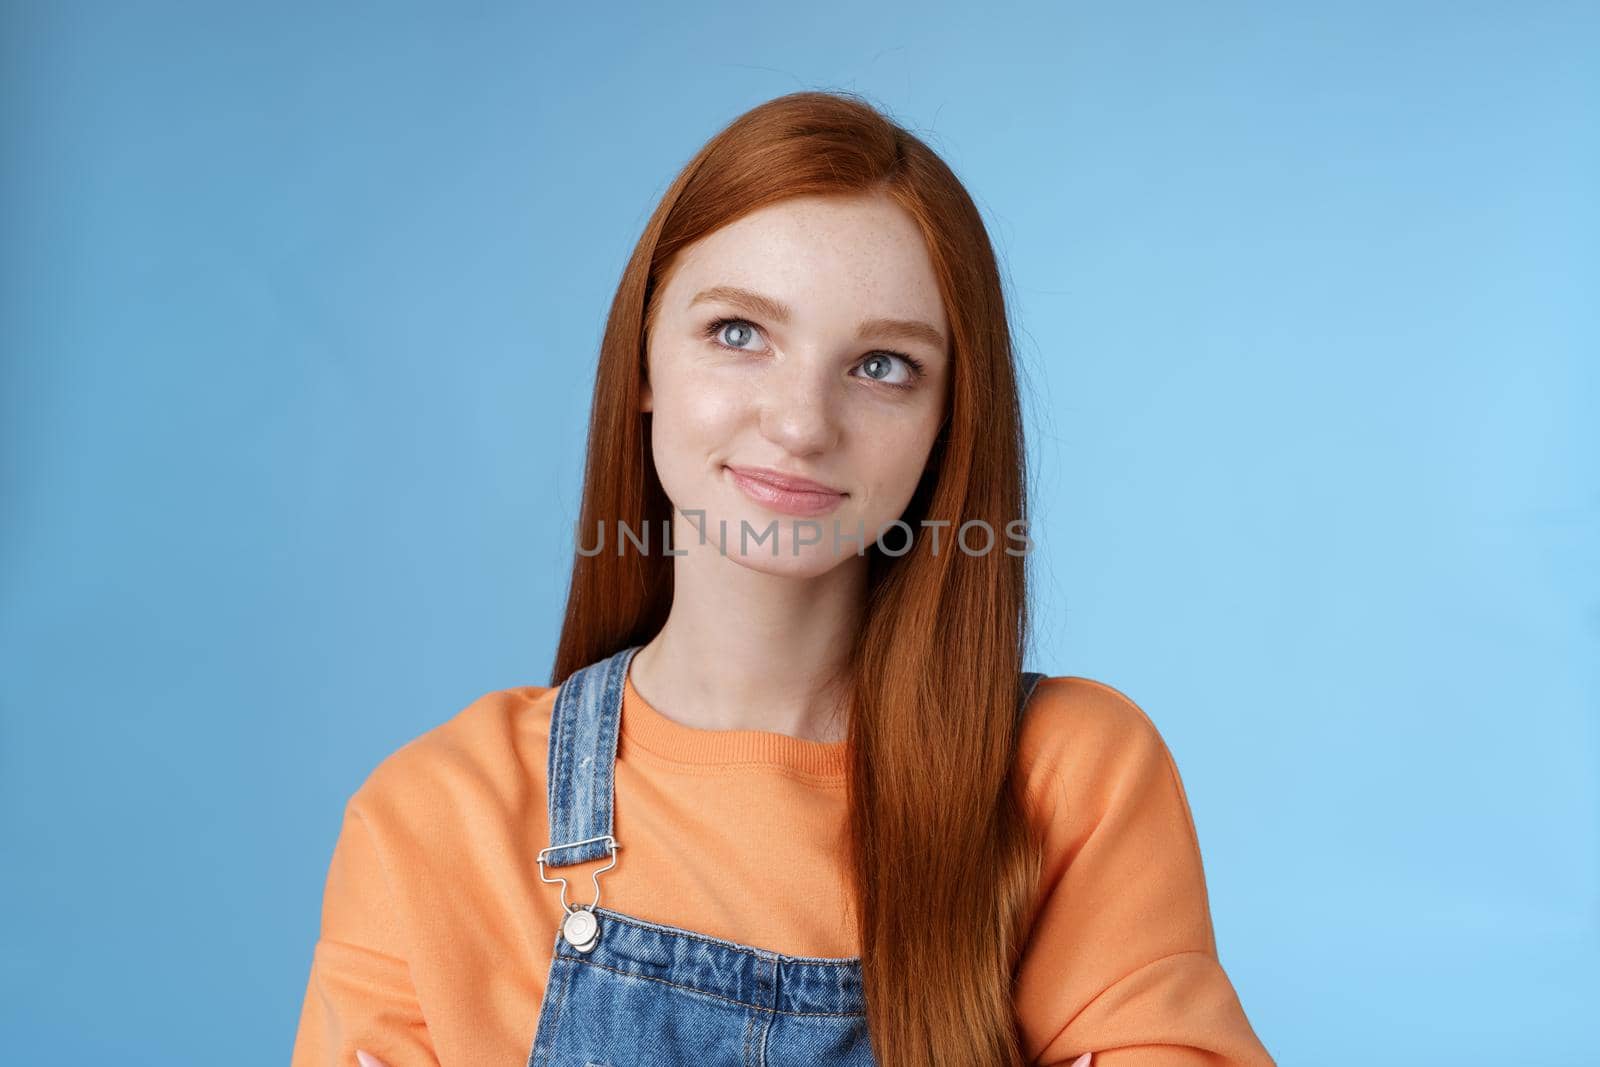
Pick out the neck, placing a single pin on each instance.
(747, 650)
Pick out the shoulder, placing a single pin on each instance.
(479, 755)
(1104, 794)
(448, 800)
(1090, 747)
(1080, 719)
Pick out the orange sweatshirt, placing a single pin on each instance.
(437, 932)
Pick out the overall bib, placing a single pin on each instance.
(623, 991)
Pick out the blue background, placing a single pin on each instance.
(301, 307)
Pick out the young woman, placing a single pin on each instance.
(792, 746)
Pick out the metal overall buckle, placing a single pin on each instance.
(580, 927)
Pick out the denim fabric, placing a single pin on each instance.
(649, 994)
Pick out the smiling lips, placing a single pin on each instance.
(787, 493)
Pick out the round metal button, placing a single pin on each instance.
(581, 929)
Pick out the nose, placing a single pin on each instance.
(798, 407)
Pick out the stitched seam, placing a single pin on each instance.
(635, 747)
(555, 1011)
(601, 762)
(718, 996)
(558, 751)
(809, 961)
(761, 1049)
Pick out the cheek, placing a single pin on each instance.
(684, 378)
(896, 452)
(694, 414)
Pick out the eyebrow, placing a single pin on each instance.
(776, 310)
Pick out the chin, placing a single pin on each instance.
(777, 555)
(806, 565)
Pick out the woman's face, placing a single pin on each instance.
(807, 338)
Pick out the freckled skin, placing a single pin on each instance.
(799, 396)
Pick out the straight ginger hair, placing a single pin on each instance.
(944, 862)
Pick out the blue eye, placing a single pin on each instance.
(746, 328)
(885, 361)
(882, 359)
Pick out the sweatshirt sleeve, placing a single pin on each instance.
(1122, 960)
(360, 993)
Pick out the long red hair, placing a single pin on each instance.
(945, 863)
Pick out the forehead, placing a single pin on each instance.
(826, 256)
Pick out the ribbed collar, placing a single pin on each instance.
(650, 730)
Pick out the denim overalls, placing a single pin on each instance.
(622, 991)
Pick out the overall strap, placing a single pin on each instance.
(1027, 680)
(582, 758)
